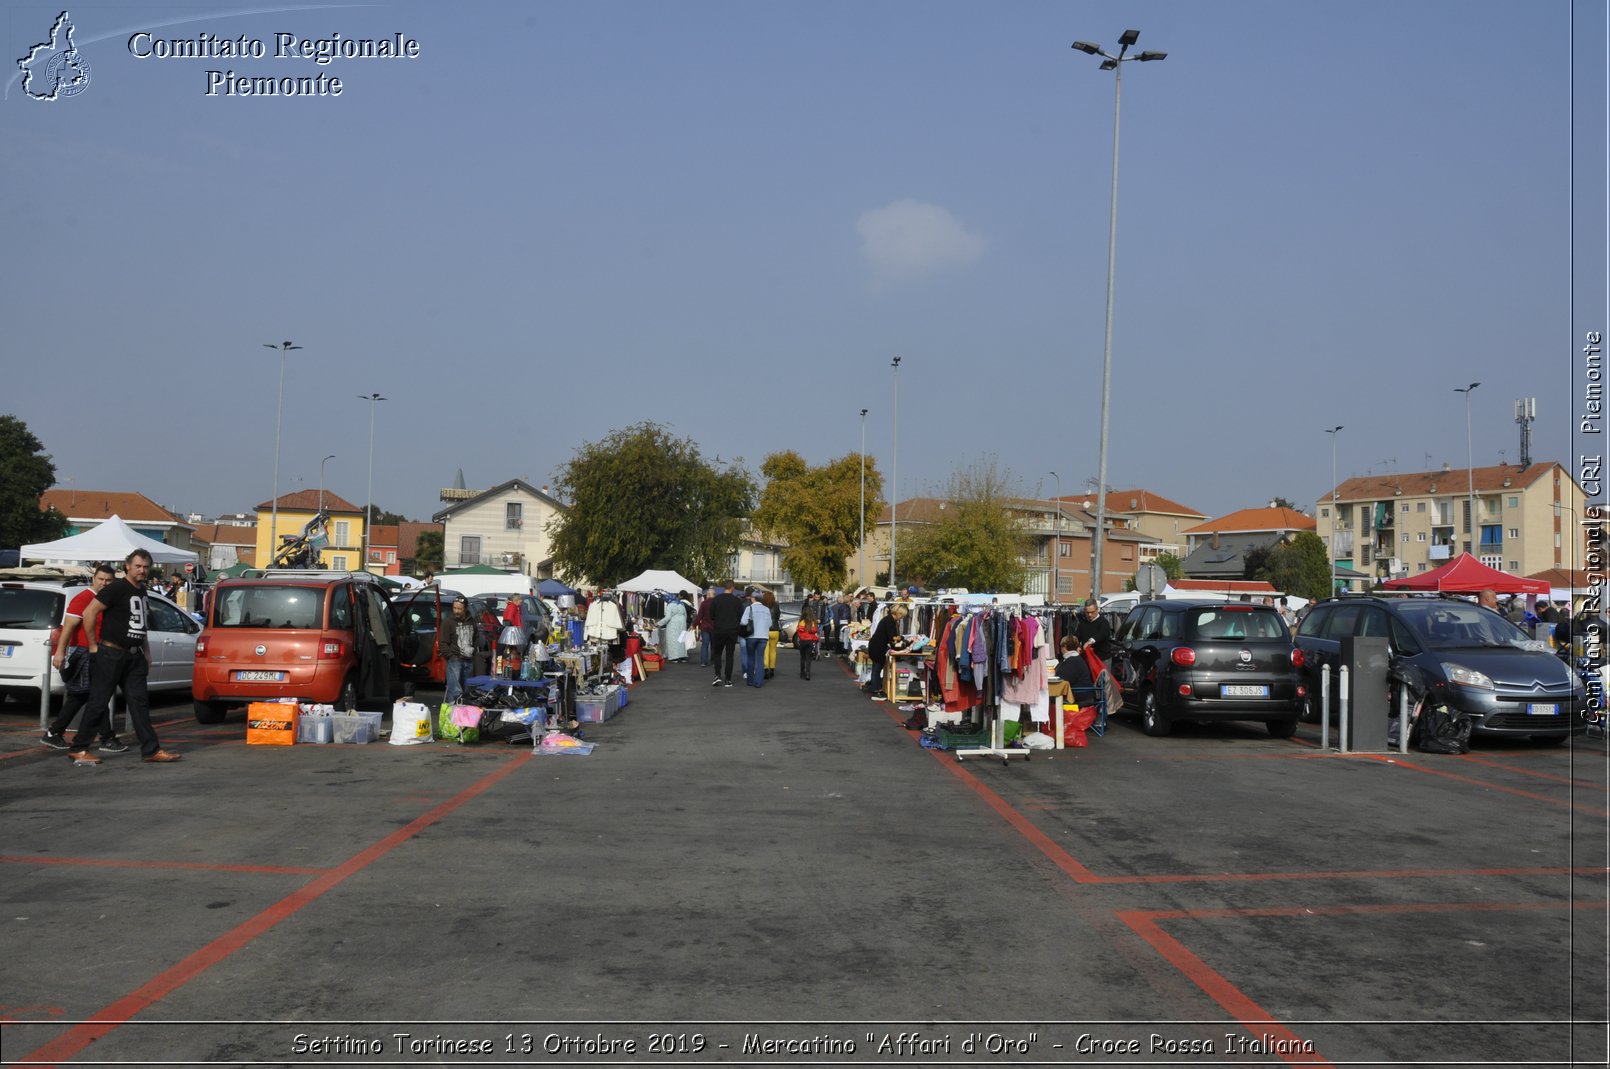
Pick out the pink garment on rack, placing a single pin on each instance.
(1028, 687)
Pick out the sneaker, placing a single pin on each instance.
(728, 683)
(879, 698)
(717, 683)
(163, 756)
(83, 759)
(113, 745)
(55, 742)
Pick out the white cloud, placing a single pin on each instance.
(907, 238)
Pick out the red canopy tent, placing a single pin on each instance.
(1467, 575)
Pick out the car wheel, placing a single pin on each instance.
(210, 712)
(1283, 728)
(348, 701)
(1152, 720)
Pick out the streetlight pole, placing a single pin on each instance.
(1332, 431)
(1470, 470)
(860, 569)
(279, 416)
(1056, 546)
(894, 471)
(1116, 65)
(369, 506)
(321, 482)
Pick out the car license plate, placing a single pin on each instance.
(1542, 709)
(1244, 690)
(5, 651)
(260, 677)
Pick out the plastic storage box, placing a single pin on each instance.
(595, 708)
(353, 728)
(313, 729)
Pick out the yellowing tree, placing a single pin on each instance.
(815, 513)
(976, 543)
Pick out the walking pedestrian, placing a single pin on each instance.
(119, 657)
(758, 633)
(701, 622)
(774, 636)
(726, 620)
(71, 658)
(806, 637)
(675, 623)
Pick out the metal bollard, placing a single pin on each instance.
(44, 698)
(1324, 708)
(1403, 720)
(1341, 705)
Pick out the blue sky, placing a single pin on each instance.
(564, 218)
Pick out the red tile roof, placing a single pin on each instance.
(225, 534)
(383, 536)
(1453, 481)
(1564, 578)
(1250, 520)
(408, 537)
(103, 504)
(308, 501)
(1223, 586)
(1139, 500)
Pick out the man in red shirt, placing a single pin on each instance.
(71, 658)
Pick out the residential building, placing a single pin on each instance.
(224, 545)
(759, 561)
(1218, 549)
(1527, 520)
(296, 510)
(1151, 514)
(506, 527)
(1061, 536)
(383, 553)
(87, 509)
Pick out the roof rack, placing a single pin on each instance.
(308, 573)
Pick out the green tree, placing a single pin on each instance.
(26, 472)
(815, 512)
(1255, 562)
(643, 499)
(1170, 563)
(384, 518)
(1300, 566)
(428, 552)
(1278, 502)
(976, 543)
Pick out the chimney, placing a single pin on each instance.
(1445, 466)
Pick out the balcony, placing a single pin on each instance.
(1440, 552)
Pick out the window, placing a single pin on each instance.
(1419, 506)
(391, 558)
(513, 518)
(1064, 584)
(1514, 565)
(1492, 560)
(1405, 538)
(338, 562)
(343, 532)
(1324, 512)
(1421, 537)
(341, 608)
(469, 549)
(1514, 502)
(1514, 532)
(1127, 553)
(1064, 549)
(1421, 567)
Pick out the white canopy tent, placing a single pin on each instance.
(110, 540)
(653, 580)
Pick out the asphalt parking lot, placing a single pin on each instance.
(784, 876)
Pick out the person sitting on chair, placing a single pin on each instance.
(1073, 669)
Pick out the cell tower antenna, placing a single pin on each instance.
(1525, 413)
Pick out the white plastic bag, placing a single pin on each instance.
(1039, 740)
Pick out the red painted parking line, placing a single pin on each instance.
(1251, 1016)
(1551, 777)
(110, 863)
(1398, 762)
(171, 979)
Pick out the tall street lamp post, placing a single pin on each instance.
(369, 507)
(279, 416)
(1470, 470)
(894, 471)
(860, 569)
(321, 482)
(1056, 546)
(1116, 65)
(1332, 431)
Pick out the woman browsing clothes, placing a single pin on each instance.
(885, 638)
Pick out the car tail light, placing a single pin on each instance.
(1185, 690)
(332, 649)
(201, 646)
(1183, 656)
(1302, 691)
(1297, 657)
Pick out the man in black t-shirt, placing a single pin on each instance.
(115, 625)
(726, 618)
